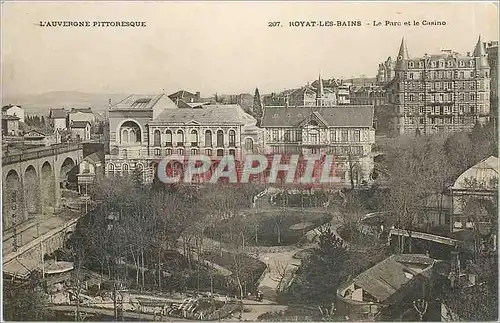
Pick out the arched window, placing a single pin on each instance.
(139, 168)
(208, 138)
(249, 144)
(220, 152)
(125, 136)
(125, 167)
(157, 138)
(194, 151)
(232, 138)
(180, 151)
(168, 138)
(232, 152)
(220, 138)
(157, 151)
(180, 137)
(194, 137)
(111, 167)
(168, 151)
(132, 136)
(208, 152)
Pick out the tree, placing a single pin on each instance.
(25, 301)
(417, 169)
(257, 109)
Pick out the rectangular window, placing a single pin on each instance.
(298, 135)
(333, 135)
(287, 135)
(314, 138)
(344, 135)
(275, 134)
(356, 136)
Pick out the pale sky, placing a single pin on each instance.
(224, 47)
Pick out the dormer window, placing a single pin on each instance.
(421, 64)
(461, 64)
(449, 63)
(433, 64)
(411, 64)
(471, 63)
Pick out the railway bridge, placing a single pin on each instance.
(31, 181)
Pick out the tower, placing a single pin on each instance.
(320, 92)
(400, 73)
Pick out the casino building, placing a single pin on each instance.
(143, 129)
(346, 132)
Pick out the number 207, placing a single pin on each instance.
(273, 24)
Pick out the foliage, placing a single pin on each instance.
(321, 274)
(257, 109)
(267, 229)
(25, 301)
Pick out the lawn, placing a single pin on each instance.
(269, 228)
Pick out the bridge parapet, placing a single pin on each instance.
(34, 153)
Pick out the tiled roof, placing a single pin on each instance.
(345, 116)
(388, 276)
(79, 124)
(144, 102)
(59, 113)
(35, 134)
(207, 114)
(180, 94)
(7, 107)
(9, 117)
(82, 110)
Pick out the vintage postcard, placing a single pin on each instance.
(249, 161)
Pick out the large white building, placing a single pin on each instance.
(146, 128)
(14, 110)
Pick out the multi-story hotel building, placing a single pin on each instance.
(146, 128)
(345, 132)
(492, 51)
(445, 93)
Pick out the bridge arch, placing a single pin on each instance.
(12, 200)
(67, 165)
(48, 189)
(32, 190)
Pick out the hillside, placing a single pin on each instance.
(40, 104)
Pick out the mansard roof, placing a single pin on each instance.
(342, 116)
(206, 114)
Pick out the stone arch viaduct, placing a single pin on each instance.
(31, 181)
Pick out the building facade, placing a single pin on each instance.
(440, 93)
(80, 130)
(146, 129)
(492, 51)
(89, 170)
(385, 72)
(345, 132)
(84, 114)
(58, 118)
(14, 110)
(10, 125)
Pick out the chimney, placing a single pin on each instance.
(198, 96)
